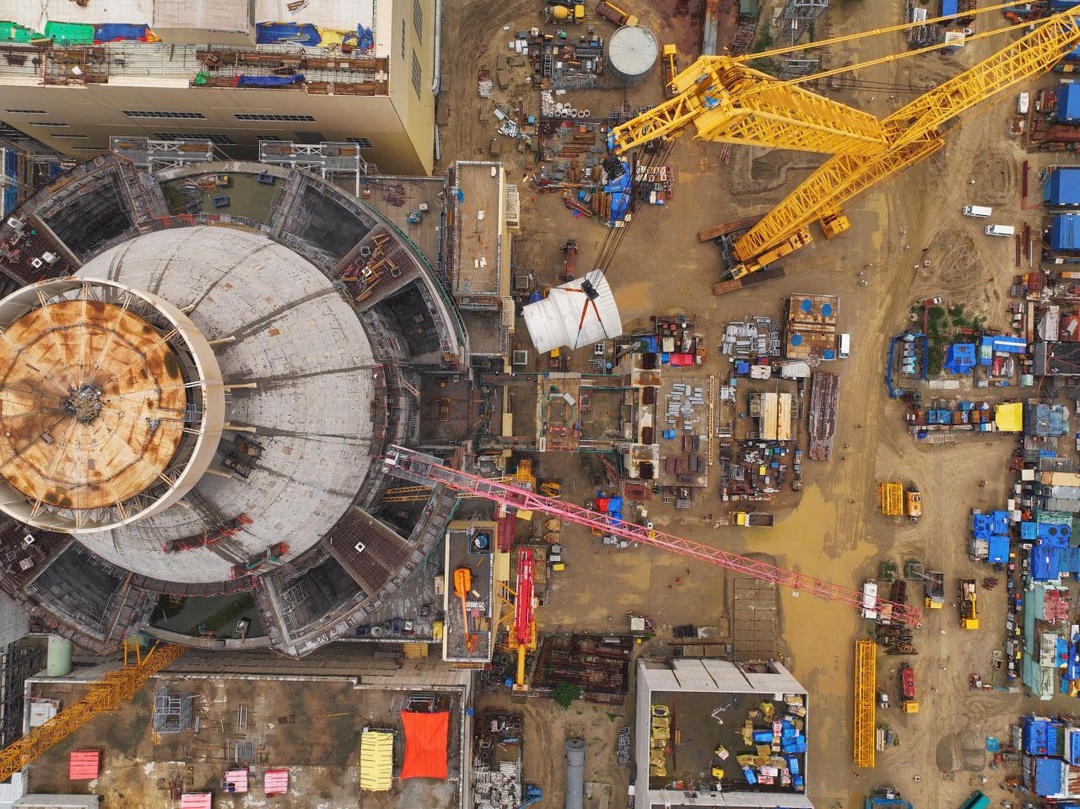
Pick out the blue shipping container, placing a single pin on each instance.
(1065, 230)
(1068, 110)
(1065, 188)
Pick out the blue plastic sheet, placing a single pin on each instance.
(365, 39)
(117, 32)
(267, 33)
(269, 81)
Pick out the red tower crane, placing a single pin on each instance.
(414, 466)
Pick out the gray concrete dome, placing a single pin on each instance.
(275, 321)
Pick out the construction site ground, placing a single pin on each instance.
(311, 728)
(835, 531)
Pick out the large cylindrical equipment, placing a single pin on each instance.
(632, 53)
(575, 773)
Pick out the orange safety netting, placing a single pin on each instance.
(426, 739)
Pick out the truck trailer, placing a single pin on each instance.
(752, 519)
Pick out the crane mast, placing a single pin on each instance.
(727, 101)
(422, 469)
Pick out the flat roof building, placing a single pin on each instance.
(226, 71)
(752, 701)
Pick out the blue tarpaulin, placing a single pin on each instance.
(1054, 536)
(999, 549)
(1068, 110)
(365, 39)
(117, 32)
(1064, 188)
(619, 188)
(1029, 531)
(1041, 737)
(960, 358)
(1065, 228)
(1045, 563)
(949, 8)
(269, 81)
(1050, 776)
(267, 33)
(1069, 561)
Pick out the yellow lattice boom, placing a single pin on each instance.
(729, 102)
(892, 498)
(116, 688)
(865, 685)
(912, 133)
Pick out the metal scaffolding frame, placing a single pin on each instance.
(328, 159)
(172, 712)
(158, 155)
(799, 15)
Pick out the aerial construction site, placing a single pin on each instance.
(656, 405)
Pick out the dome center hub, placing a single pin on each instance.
(84, 403)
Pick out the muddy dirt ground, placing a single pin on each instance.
(835, 531)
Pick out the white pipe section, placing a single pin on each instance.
(438, 47)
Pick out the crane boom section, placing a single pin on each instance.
(116, 687)
(419, 468)
(912, 133)
(733, 103)
(1031, 55)
(825, 191)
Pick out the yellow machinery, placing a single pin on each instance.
(551, 488)
(865, 678)
(671, 70)
(115, 688)
(727, 101)
(913, 503)
(891, 495)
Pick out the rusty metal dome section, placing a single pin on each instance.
(103, 401)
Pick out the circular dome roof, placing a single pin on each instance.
(632, 52)
(106, 397)
(297, 442)
(90, 397)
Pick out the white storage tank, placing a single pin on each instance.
(632, 53)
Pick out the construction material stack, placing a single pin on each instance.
(659, 736)
(891, 496)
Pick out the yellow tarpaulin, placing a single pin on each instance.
(376, 761)
(1009, 417)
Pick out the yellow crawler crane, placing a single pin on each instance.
(116, 688)
(726, 101)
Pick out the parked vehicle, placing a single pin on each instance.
(843, 350)
(612, 13)
(753, 519)
(1000, 230)
(908, 703)
(913, 503)
(869, 600)
(978, 211)
(934, 582)
(969, 617)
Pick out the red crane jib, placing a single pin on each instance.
(523, 608)
(425, 469)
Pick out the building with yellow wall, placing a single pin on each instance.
(229, 71)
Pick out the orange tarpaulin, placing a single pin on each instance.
(426, 739)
